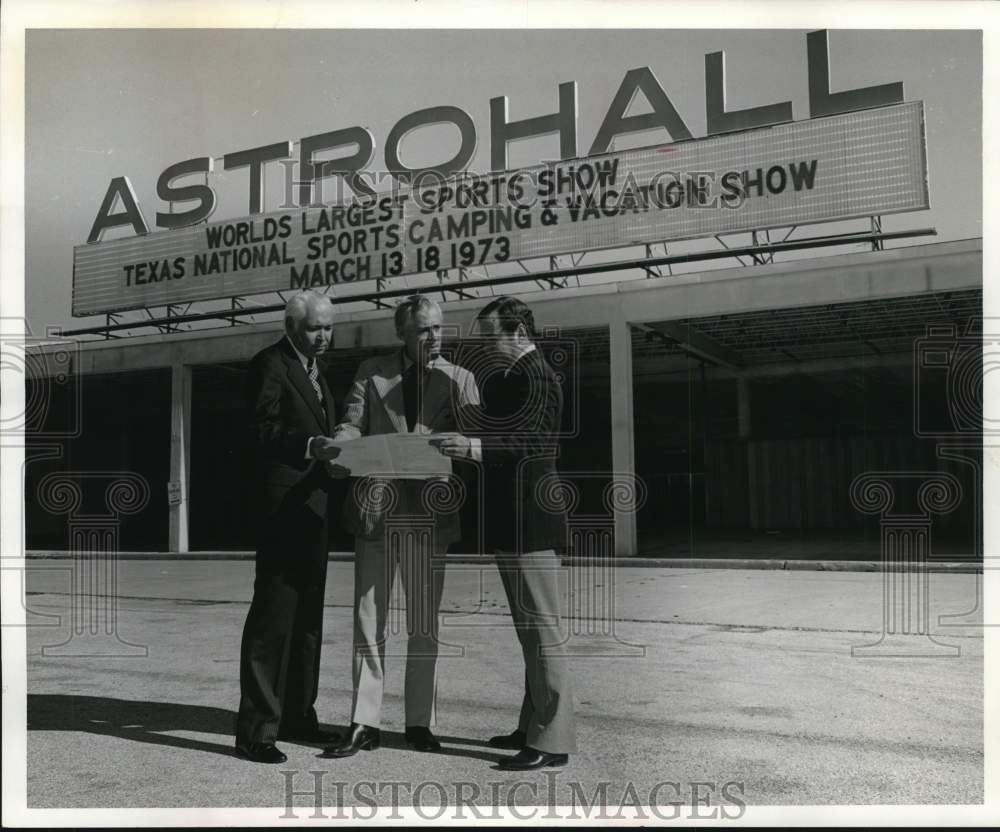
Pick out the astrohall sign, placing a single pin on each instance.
(861, 153)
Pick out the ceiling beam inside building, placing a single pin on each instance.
(697, 343)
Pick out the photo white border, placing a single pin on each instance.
(18, 15)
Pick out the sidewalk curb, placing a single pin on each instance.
(628, 562)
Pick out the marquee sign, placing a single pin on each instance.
(856, 164)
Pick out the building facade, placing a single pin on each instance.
(734, 404)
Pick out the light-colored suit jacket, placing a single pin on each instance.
(375, 405)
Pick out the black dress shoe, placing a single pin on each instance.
(359, 738)
(514, 740)
(528, 759)
(313, 735)
(260, 752)
(421, 739)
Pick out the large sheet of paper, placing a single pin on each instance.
(396, 455)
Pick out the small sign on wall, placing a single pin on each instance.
(174, 494)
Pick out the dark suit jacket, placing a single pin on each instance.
(285, 413)
(518, 425)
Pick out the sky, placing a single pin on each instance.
(106, 103)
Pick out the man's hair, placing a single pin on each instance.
(406, 310)
(511, 313)
(300, 303)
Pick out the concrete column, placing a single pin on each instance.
(622, 429)
(180, 455)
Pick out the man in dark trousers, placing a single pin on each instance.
(293, 417)
(515, 436)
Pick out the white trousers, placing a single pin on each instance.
(420, 564)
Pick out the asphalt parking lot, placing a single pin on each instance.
(722, 686)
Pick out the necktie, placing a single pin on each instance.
(411, 395)
(313, 374)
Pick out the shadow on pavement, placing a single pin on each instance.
(149, 722)
(132, 720)
(397, 741)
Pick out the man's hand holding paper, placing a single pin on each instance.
(456, 446)
(399, 456)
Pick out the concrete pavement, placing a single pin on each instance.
(742, 681)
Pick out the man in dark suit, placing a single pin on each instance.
(515, 436)
(293, 417)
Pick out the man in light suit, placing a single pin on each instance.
(412, 390)
(516, 439)
(293, 415)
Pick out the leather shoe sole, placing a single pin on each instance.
(321, 737)
(541, 760)
(369, 743)
(513, 741)
(261, 754)
(424, 745)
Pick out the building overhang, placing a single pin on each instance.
(953, 266)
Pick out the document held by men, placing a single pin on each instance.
(399, 455)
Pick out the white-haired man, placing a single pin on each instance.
(412, 390)
(292, 412)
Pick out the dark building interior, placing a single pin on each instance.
(749, 431)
